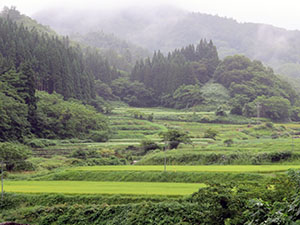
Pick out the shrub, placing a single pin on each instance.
(228, 142)
(40, 143)
(13, 154)
(220, 111)
(274, 136)
(35, 143)
(99, 136)
(150, 117)
(175, 137)
(24, 166)
(210, 133)
(269, 125)
(57, 118)
(147, 145)
(205, 119)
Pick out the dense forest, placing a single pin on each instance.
(30, 61)
(57, 64)
(177, 81)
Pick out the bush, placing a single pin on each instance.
(147, 145)
(99, 136)
(220, 111)
(40, 143)
(24, 166)
(61, 119)
(228, 142)
(84, 154)
(210, 133)
(274, 135)
(150, 117)
(175, 137)
(205, 119)
(13, 154)
(269, 125)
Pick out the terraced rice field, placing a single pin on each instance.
(89, 187)
(204, 168)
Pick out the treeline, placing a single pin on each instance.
(171, 81)
(189, 66)
(181, 79)
(255, 89)
(52, 117)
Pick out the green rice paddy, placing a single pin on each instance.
(202, 168)
(88, 187)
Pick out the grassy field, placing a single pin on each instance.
(88, 187)
(209, 168)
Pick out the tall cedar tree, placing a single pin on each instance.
(188, 66)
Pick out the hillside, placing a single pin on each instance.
(119, 53)
(32, 60)
(166, 28)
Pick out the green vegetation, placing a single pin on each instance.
(213, 157)
(210, 168)
(174, 137)
(136, 188)
(119, 53)
(214, 204)
(14, 156)
(171, 176)
(57, 118)
(189, 66)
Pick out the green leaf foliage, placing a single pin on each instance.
(133, 93)
(67, 119)
(13, 154)
(174, 137)
(249, 82)
(14, 114)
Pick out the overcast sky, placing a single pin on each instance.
(276, 12)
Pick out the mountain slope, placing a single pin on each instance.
(168, 28)
(119, 53)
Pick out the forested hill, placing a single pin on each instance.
(32, 60)
(166, 29)
(56, 64)
(183, 77)
(118, 52)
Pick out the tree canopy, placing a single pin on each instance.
(173, 137)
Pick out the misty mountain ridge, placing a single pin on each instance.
(148, 27)
(166, 28)
(120, 53)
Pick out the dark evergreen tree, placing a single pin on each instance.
(188, 66)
